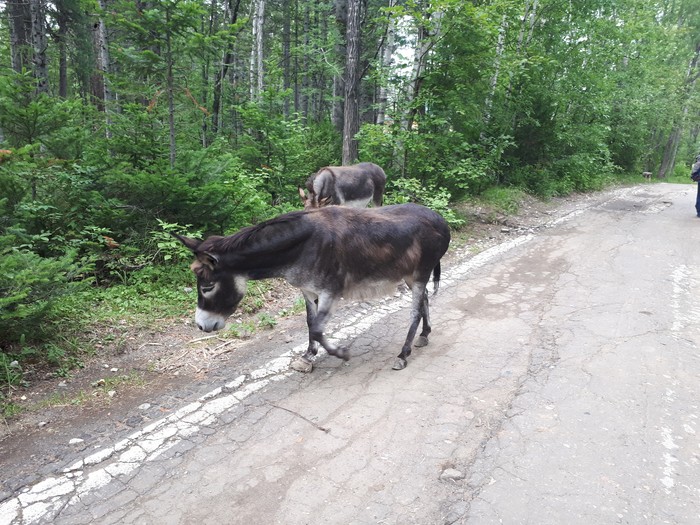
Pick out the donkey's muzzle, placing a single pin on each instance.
(208, 322)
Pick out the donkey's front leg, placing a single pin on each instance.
(311, 301)
(326, 302)
(418, 311)
(304, 363)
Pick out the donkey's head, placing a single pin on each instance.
(312, 201)
(218, 290)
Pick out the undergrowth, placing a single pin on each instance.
(83, 325)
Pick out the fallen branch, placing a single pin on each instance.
(323, 429)
(223, 345)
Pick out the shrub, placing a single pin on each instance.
(29, 287)
(412, 190)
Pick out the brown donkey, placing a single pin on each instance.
(331, 253)
(353, 186)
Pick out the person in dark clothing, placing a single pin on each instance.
(695, 175)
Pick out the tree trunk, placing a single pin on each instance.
(232, 10)
(668, 161)
(527, 24)
(37, 9)
(428, 33)
(170, 82)
(208, 28)
(286, 54)
(305, 65)
(20, 22)
(488, 103)
(341, 18)
(62, 62)
(351, 113)
(320, 87)
(99, 88)
(386, 58)
(256, 52)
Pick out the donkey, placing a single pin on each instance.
(345, 185)
(330, 253)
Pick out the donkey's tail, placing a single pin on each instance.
(436, 278)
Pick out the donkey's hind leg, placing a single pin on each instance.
(418, 312)
(422, 339)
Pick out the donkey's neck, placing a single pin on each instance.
(265, 250)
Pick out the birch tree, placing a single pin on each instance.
(99, 84)
(500, 46)
(256, 70)
(388, 48)
(351, 113)
(428, 27)
(668, 160)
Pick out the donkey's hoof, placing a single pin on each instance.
(341, 353)
(399, 364)
(421, 340)
(302, 365)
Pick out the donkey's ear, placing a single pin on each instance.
(192, 244)
(302, 195)
(326, 201)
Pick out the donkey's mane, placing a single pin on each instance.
(268, 235)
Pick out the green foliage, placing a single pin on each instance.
(503, 199)
(298, 307)
(535, 180)
(30, 119)
(377, 144)
(242, 330)
(582, 172)
(412, 190)
(283, 153)
(170, 249)
(10, 371)
(30, 285)
(138, 140)
(266, 321)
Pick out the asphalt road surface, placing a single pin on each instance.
(560, 386)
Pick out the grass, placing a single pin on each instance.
(503, 199)
(298, 307)
(86, 322)
(100, 391)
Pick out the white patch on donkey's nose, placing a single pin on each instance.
(208, 322)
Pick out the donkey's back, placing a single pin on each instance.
(353, 186)
(360, 250)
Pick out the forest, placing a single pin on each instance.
(123, 121)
